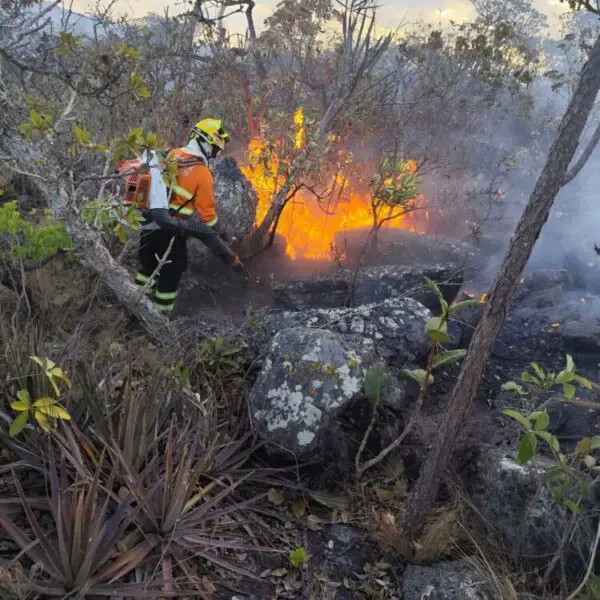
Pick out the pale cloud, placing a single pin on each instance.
(392, 14)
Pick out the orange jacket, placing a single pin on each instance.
(196, 182)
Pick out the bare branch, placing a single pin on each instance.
(584, 157)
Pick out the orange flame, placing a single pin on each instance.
(310, 227)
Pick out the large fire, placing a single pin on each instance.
(310, 225)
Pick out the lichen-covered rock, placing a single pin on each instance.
(517, 505)
(372, 284)
(454, 580)
(309, 378)
(396, 326)
(236, 205)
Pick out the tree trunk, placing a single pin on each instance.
(528, 229)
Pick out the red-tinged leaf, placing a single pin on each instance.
(51, 567)
(132, 559)
(57, 512)
(27, 545)
(219, 562)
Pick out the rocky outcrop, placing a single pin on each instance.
(372, 284)
(236, 205)
(399, 247)
(518, 507)
(396, 326)
(454, 580)
(309, 378)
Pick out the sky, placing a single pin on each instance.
(392, 13)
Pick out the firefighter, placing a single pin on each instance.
(184, 208)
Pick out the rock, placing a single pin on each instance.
(454, 580)
(340, 551)
(309, 379)
(399, 247)
(236, 205)
(544, 279)
(569, 422)
(373, 284)
(582, 335)
(517, 505)
(396, 326)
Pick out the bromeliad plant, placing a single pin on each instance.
(90, 547)
(436, 330)
(189, 499)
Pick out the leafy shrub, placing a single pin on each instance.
(29, 241)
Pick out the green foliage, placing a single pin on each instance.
(376, 377)
(44, 409)
(37, 125)
(568, 478)
(537, 379)
(394, 185)
(436, 330)
(298, 557)
(217, 357)
(69, 42)
(138, 86)
(83, 140)
(134, 143)
(29, 241)
(393, 189)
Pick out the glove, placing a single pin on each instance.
(221, 232)
(238, 265)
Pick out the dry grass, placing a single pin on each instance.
(441, 536)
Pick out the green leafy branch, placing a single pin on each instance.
(567, 480)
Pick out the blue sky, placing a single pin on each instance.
(392, 13)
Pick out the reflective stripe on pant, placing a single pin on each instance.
(154, 245)
(142, 280)
(164, 301)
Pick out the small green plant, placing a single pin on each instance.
(29, 241)
(43, 409)
(537, 380)
(298, 557)
(37, 125)
(377, 376)
(217, 356)
(436, 330)
(568, 479)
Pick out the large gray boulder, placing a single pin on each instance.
(454, 580)
(399, 247)
(236, 205)
(372, 284)
(396, 326)
(517, 506)
(309, 378)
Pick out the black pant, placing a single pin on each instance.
(153, 246)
